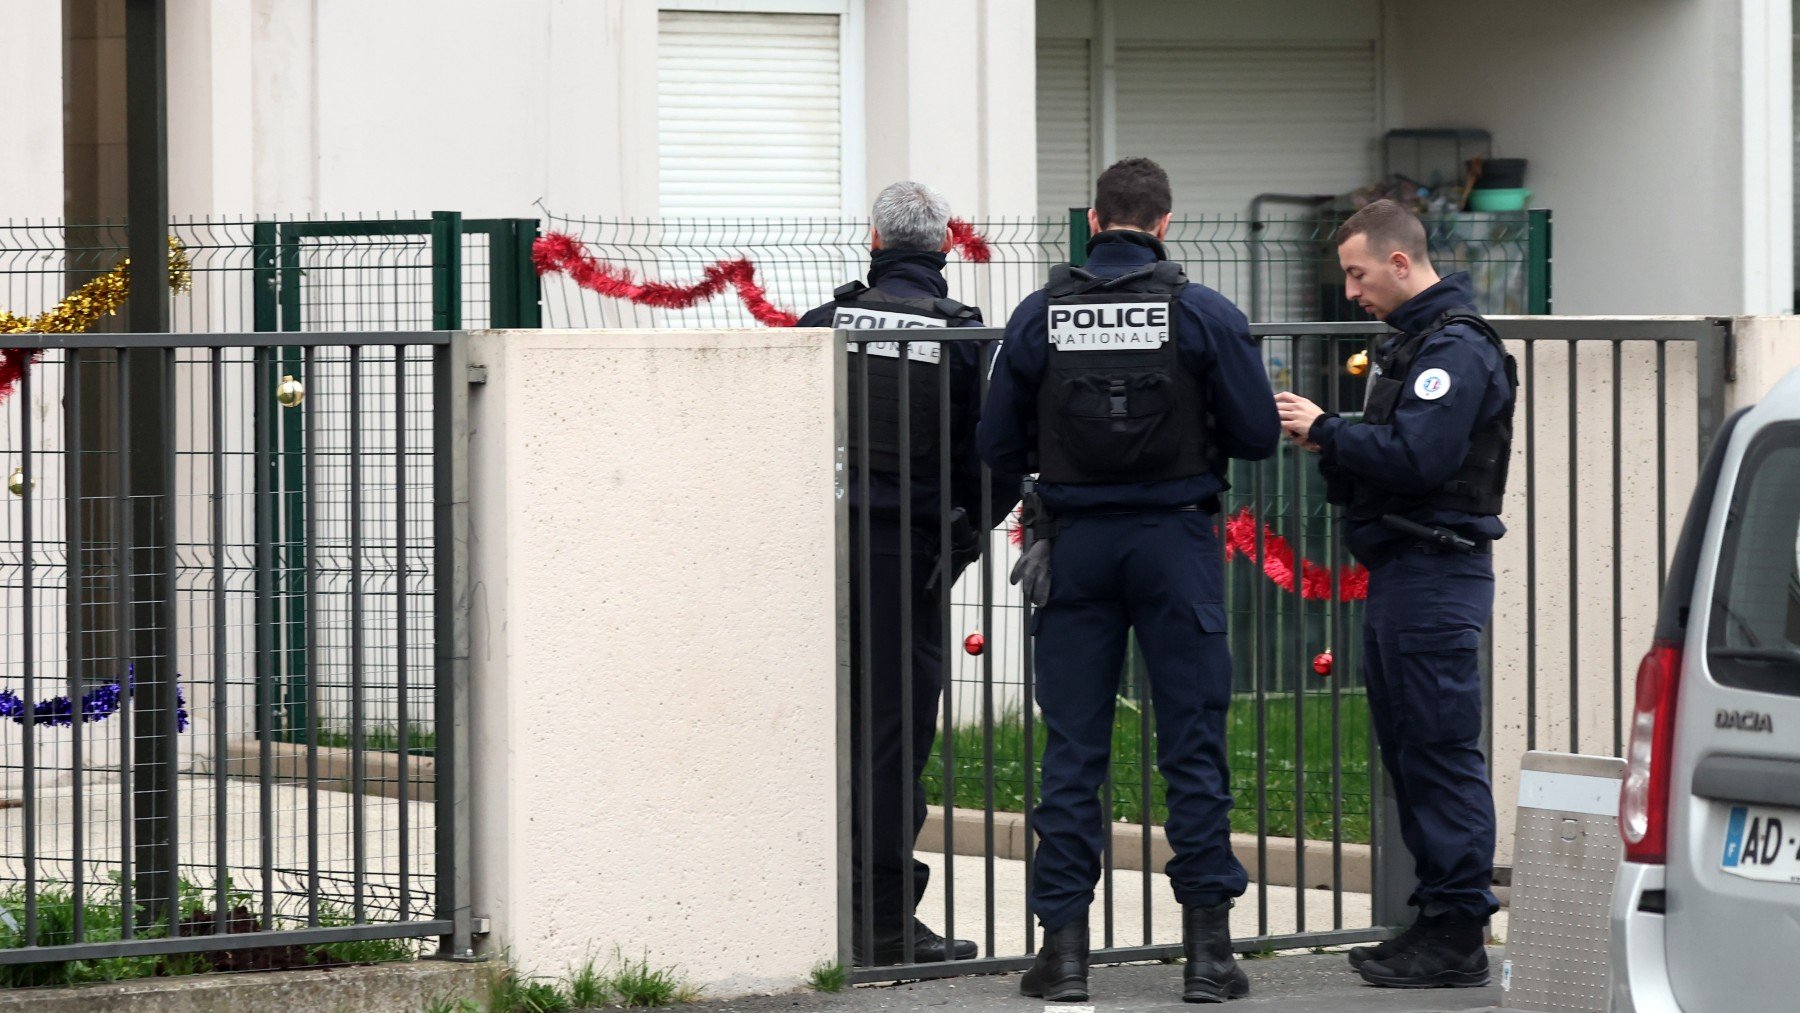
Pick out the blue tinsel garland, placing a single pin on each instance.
(97, 704)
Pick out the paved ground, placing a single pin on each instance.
(1300, 983)
(1128, 909)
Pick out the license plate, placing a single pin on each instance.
(1762, 843)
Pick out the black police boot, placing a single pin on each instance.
(1212, 973)
(1450, 953)
(928, 948)
(1061, 971)
(1360, 955)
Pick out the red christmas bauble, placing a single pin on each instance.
(1322, 663)
(974, 643)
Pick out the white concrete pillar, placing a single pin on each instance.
(654, 651)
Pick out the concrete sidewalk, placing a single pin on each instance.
(1301, 983)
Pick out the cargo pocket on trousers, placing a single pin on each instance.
(1211, 615)
(1438, 693)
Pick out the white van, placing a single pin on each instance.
(1706, 908)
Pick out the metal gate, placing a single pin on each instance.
(1315, 820)
(156, 816)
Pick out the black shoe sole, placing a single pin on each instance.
(1062, 991)
(1210, 991)
(1442, 979)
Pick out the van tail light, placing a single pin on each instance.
(1644, 795)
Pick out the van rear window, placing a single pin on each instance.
(1754, 634)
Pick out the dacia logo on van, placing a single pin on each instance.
(1744, 721)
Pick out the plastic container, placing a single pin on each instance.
(1502, 174)
(1511, 199)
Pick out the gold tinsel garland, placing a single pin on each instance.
(84, 307)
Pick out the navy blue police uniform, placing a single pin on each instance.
(1431, 450)
(1128, 418)
(905, 289)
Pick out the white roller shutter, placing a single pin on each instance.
(1231, 121)
(750, 114)
(1064, 126)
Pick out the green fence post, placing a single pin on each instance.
(446, 270)
(265, 239)
(530, 287)
(1537, 241)
(503, 273)
(290, 625)
(1078, 236)
(266, 316)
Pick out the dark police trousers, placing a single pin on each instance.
(1424, 618)
(1162, 574)
(893, 871)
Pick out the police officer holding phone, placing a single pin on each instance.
(909, 238)
(1126, 387)
(1422, 477)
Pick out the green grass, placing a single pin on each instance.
(383, 739)
(1127, 787)
(585, 987)
(641, 985)
(102, 922)
(516, 992)
(588, 987)
(827, 976)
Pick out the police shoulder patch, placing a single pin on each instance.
(1432, 384)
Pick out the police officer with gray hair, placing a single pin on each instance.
(909, 239)
(1126, 388)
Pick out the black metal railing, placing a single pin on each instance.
(197, 765)
(1626, 402)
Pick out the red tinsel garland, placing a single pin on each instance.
(1278, 565)
(560, 253)
(1278, 562)
(968, 242)
(13, 363)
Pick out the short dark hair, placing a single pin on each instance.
(1388, 226)
(1134, 192)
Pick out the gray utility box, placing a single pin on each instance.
(1565, 854)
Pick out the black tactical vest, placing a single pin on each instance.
(1115, 403)
(860, 308)
(1479, 486)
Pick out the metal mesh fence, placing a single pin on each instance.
(1278, 270)
(341, 274)
(302, 793)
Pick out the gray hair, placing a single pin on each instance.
(911, 216)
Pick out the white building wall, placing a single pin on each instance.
(31, 98)
(951, 96)
(313, 107)
(1649, 128)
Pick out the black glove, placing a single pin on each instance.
(1032, 572)
(965, 548)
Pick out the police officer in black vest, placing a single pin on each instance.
(1125, 387)
(909, 236)
(1422, 477)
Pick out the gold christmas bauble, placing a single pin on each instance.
(1357, 364)
(290, 392)
(15, 483)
